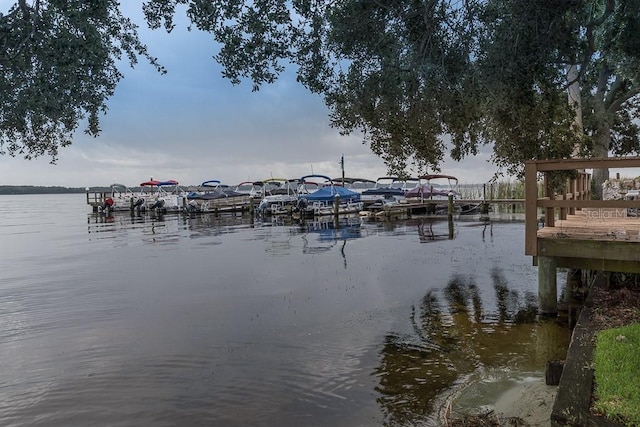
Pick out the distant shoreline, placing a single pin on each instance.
(36, 189)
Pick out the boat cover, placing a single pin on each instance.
(328, 194)
(425, 191)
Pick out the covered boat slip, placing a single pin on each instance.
(577, 232)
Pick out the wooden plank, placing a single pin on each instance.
(603, 225)
(576, 234)
(544, 203)
(592, 163)
(598, 264)
(622, 250)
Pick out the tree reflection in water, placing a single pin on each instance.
(456, 338)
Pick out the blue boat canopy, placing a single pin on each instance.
(329, 193)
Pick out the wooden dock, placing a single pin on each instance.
(442, 207)
(575, 231)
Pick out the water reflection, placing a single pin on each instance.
(323, 234)
(470, 325)
(430, 229)
(154, 228)
(454, 338)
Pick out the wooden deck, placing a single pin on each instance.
(570, 230)
(595, 224)
(593, 239)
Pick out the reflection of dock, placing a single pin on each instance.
(578, 232)
(432, 229)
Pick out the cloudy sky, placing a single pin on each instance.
(192, 125)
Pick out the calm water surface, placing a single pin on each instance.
(200, 321)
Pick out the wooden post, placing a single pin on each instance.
(572, 188)
(547, 285)
(450, 206)
(336, 207)
(531, 208)
(563, 211)
(550, 213)
(553, 372)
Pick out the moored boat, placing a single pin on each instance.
(430, 190)
(355, 184)
(435, 189)
(213, 196)
(253, 189)
(323, 201)
(388, 190)
(280, 196)
(163, 196)
(121, 198)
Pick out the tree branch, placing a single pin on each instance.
(616, 103)
(608, 11)
(616, 86)
(603, 78)
(25, 9)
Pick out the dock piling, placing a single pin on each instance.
(547, 285)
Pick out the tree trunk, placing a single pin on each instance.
(600, 149)
(575, 100)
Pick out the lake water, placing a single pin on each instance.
(202, 321)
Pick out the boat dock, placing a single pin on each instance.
(444, 207)
(567, 229)
(97, 199)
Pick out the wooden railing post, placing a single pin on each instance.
(550, 212)
(563, 211)
(531, 208)
(573, 184)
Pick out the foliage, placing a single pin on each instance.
(416, 78)
(616, 369)
(420, 77)
(58, 67)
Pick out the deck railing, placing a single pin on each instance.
(575, 196)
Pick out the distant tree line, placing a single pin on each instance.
(36, 189)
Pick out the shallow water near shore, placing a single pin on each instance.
(204, 320)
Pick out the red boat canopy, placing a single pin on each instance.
(154, 183)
